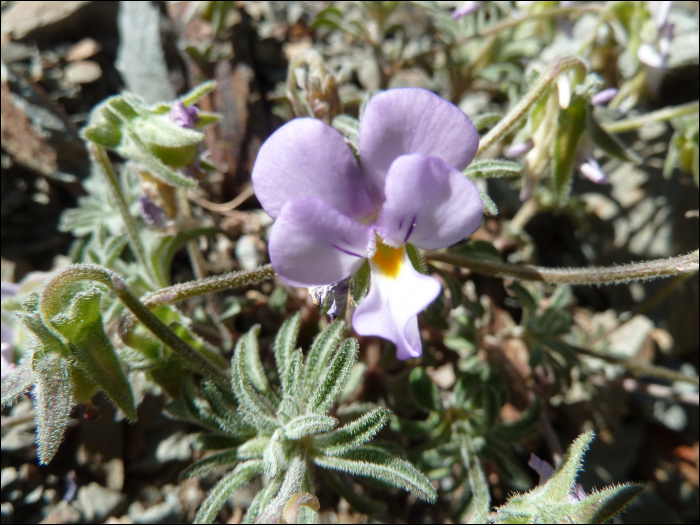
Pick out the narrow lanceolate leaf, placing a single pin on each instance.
(192, 97)
(252, 357)
(320, 353)
(234, 481)
(376, 463)
(423, 390)
(607, 142)
(290, 486)
(17, 382)
(349, 127)
(478, 508)
(89, 343)
(53, 396)
(492, 168)
(333, 378)
(353, 434)
(303, 426)
(600, 507)
(490, 207)
(273, 457)
(253, 409)
(291, 382)
(285, 342)
(254, 448)
(201, 467)
(564, 480)
(262, 500)
(571, 125)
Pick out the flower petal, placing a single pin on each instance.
(313, 244)
(428, 203)
(391, 307)
(412, 120)
(307, 158)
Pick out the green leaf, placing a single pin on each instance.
(274, 459)
(253, 409)
(423, 390)
(490, 207)
(203, 466)
(349, 127)
(254, 448)
(162, 254)
(478, 509)
(285, 342)
(251, 354)
(353, 434)
(303, 426)
(320, 353)
(207, 441)
(484, 120)
(356, 377)
(262, 500)
(492, 168)
(478, 250)
(416, 259)
(89, 343)
(601, 507)
(564, 479)
(53, 398)
(232, 482)
(524, 296)
(359, 283)
(571, 125)
(333, 378)
(378, 464)
(195, 94)
(291, 381)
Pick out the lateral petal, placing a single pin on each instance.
(313, 244)
(428, 203)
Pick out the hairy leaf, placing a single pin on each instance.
(201, 467)
(285, 342)
(320, 353)
(359, 502)
(376, 463)
(253, 409)
(423, 390)
(333, 378)
(308, 425)
(17, 381)
(353, 434)
(232, 482)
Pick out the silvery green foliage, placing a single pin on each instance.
(282, 431)
(68, 360)
(148, 135)
(559, 501)
(463, 429)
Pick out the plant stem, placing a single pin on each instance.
(661, 115)
(521, 109)
(639, 368)
(216, 283)
(654, 269)
(51, 303)
(101, 159)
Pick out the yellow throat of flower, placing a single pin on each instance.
(387, 259)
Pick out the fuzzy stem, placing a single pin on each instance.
(51, 303)
(656, 268)
(216, 283)
(630, 124)
(101, 159)
(521, 109)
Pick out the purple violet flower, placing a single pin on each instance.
(331, 214)
(183, 116)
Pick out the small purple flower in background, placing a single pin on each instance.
(467, 8)
(183, 116)
(331, 214)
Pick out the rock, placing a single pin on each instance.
(174, 448)
(97, 502)
(247, 252)
(8, 475)
(63, 512)
(169, 511)
(84, 49)
(82, 72)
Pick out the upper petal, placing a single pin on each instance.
(313, 244)
(412, 120)
(391, 307)
(428, 203)
(307, 158)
